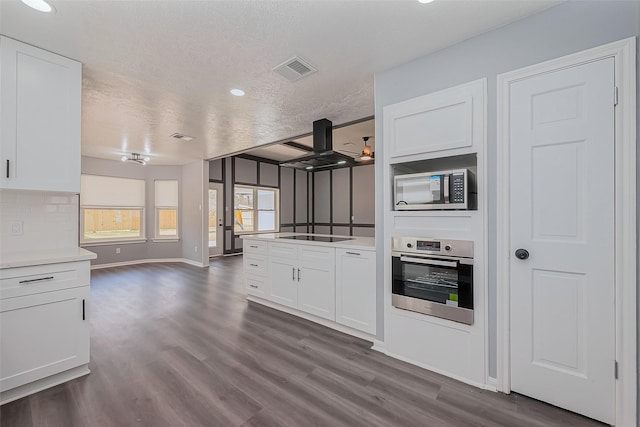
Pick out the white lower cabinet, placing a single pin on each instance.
(303, 277)
(44, 328)
(42, 334)
(356, 289)
(283, 286)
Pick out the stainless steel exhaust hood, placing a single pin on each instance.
(323, 156)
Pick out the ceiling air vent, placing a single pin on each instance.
(182, 137)
(294, 69)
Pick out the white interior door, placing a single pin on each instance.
(216, 214)
(562, 214)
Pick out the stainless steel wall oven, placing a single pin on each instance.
(433, 277)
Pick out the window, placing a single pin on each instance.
(166, 203)
(255, 210)
(112, 209)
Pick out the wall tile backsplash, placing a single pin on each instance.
(37, 220)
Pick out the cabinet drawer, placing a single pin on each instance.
(255, 264)
(254, 247)
(316, 254)
(257, 286)
(21, 281)
(283, 250)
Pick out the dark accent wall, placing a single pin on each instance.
(344, 201)
(323, 202)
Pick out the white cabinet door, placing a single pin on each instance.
(283, 284)
(43, 334)
(40, 96)
(316, 278)
(356, 289)
(451, 119)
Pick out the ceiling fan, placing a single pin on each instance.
(367, 154)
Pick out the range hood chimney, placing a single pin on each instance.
(322, 136)
(323, 156)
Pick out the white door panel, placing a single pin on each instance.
(216, 214)
(562, 212)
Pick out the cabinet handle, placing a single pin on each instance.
(353, 253)
(253, 286)
(253, 246)
(298, 275)
(293, 273)
(253, 265)
(83, 311)
(37, 280)
(7, 168)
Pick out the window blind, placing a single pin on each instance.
(111, 191)
(166, 192)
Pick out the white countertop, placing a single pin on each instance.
(360, 243)
(53, 256)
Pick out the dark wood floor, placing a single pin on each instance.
(176, 345)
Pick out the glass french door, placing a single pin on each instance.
(215, 228)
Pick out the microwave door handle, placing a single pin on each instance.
(446, 188)
(434, 262)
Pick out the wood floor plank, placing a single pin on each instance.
(177, 345)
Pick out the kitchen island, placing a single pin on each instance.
(327, 279)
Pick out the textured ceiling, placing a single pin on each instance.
(152, 68)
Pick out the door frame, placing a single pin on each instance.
(624, 54)
(219, 187)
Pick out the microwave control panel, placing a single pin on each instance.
(457, 187)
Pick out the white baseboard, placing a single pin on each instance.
(492, 384)
(148, 261)
(439, 371)
(43, 384)
(379, 346)
(324, 322)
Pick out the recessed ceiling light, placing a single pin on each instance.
(425, 1)
(342, 162)
(237, 92)
(309, 167)
(39, 5)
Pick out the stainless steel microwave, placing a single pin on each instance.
(452, 189)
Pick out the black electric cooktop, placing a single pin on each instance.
(318, 238)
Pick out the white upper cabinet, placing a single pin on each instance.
(452, 119)
(40, 96)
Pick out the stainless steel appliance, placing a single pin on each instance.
(434, 277)
(452, 189)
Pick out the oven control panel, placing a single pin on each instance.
(459, 248)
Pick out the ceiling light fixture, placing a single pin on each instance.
(366, 154)
(309, 168)
(425, 1)
(39, 5)
(237, 92)
(136, 158)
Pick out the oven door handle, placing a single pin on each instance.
(435, 262)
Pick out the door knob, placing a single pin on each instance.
(522, 253)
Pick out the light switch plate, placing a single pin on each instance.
(15, 228)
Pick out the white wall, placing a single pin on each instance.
(571, 27)
(194, 212)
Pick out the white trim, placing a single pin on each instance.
(166, 240)
(379, 346)
(43, 384)
(439, 371)
(324, 322)
(492, 384)
(624, 54)
(148, 261)
(111, 242)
